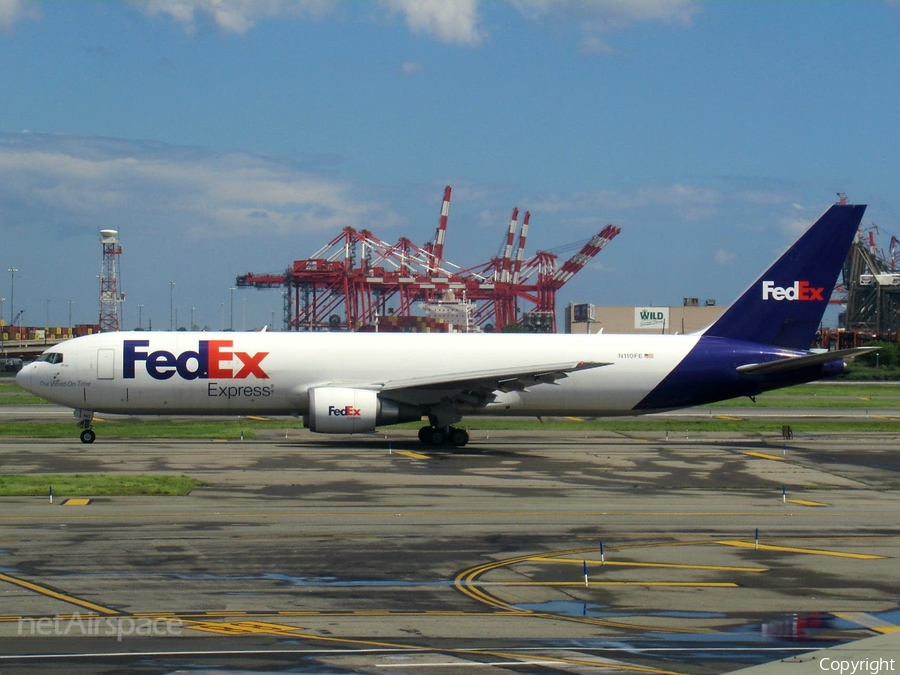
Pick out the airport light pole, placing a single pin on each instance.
(140, 317)
(171, 304)
(12, 294)
(70, 312)
(231, 324)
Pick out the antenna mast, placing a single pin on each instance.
(109, 281)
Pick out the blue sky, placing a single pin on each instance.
(227, 137)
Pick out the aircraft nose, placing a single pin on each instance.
(23, 378)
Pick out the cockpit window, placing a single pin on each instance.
(51, 357)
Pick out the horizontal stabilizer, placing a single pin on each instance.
(795, 362)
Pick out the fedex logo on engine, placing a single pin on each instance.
(213, 359)
(801, 290)
(348, 411)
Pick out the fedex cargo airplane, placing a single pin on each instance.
(352, 382)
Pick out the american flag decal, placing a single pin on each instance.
(648, 356)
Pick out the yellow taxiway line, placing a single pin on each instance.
(805, 502)
(411, 454)
(869, 621)
(77, 501)
(56, 595)
(675, 584)
(676, 566)
(807, 551)
(764, 455)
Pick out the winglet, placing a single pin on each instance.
(784, 306)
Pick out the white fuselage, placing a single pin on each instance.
(272, 373)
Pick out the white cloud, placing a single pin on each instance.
(82, 181)
(677, 195)
(598, 18)
(764, 197)
(453, 22)
(723, 258)
(411, 68)
(232, 16)
(13, 10)
(798, 221)
(450, 22)
(456, 22)
(612, 14)
(794, 227)
(688, 201)
(594, 44)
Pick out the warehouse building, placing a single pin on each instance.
(687, 318)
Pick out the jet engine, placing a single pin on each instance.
(342, 410)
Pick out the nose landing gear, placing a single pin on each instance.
(85, 420)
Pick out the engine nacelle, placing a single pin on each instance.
(342, 410)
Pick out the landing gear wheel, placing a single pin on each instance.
(459, 437)
(88, 436)
(435, 437)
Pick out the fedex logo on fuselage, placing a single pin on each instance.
(348, 411)
(801, 290)
(213, 359)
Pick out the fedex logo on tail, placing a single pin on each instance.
(214, 359)
(801, 290)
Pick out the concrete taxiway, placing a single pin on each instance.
(526, 552)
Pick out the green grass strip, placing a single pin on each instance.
(94, 485)
(21, 399)
(13, 394)
(147, 428)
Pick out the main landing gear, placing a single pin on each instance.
(437, 436)
(85, 420)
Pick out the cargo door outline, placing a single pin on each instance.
(106, 364)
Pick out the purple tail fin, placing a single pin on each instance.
(785, 305)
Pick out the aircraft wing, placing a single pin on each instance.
(482, 384)
(795, 362)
